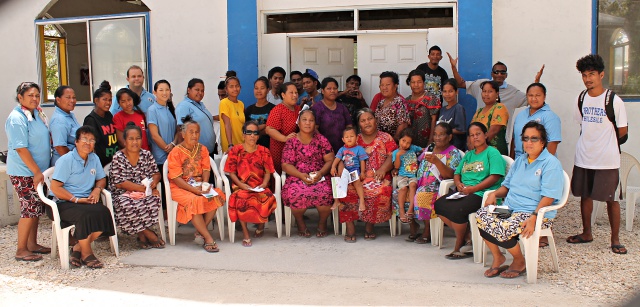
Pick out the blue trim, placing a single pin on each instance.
(149, 77)
(475, 45)
(594, 26)
(242, 28)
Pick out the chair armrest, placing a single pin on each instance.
(278, 183)
(107, 200)
(484, 197)
(48, 202)
(445, 185)
(226, 186)
(394, 182)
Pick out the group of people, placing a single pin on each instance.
(310, 131)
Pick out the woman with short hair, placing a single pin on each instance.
(389, 106)
(63, 124)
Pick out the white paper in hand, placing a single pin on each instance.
(339, 185)
(146, 182)
(456, 195)
(211, 194)
(257, 189)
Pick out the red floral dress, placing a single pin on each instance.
(283, 120)
(420, 112)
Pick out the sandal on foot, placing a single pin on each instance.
(369, 236)
(422, 240)
(321, 234)
(259, 233)
(350, 238)
(411, 238)
(92, 262)
(158, 243)
(507, 274)
(543, 244)
(458, 256)
(495, 271)
(42, 250)
(211, 247)
(304, 233)
(29, 258)
(618, 249)
(577, 239)
(246, 242)
(143, 244)
(74, 259)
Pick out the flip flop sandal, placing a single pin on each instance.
(259, 233)
(29, 258)
(618, 247)
(211, 247)
(304, 233)
(42, 250)
(74, 259)
(246, 242)
(422, 240)
(518, 273)
(350, 239)
(577, 239)
(458, 256)
(493, 272)
(159, 243)
(412, 238)
(92, 262)
(143, 244)
(321, 234)
(369, 236)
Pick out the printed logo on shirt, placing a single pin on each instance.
(93, 171)
(432, 84)
(593, 114)
(473, 167)
(538, 172)
(261, 119)
(410, 162)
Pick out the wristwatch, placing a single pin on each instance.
(534, 213)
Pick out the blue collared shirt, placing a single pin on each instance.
(31, 134)
(161, 117)
(543, 177)
(146, 100)
(63, 128)
(77, 177)
(544, 116)
(202, 116)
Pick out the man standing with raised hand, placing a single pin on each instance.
(434, 74)
(603, 121)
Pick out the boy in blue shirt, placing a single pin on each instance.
(353, 156)
(405, 164)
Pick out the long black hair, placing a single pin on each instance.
(172, 108)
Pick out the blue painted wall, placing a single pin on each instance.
(242, 25)
(475, 41)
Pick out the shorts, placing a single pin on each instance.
(598, 184)
(30, 204)
(406, 181)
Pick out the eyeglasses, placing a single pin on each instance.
(499, 72)
(88, 141)
(533, 139)
(250, 132)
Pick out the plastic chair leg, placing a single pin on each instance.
(554, 253)
(631, 210)
(440, 233)
(392, 225)
(344, 228)
(161, 225)
(54, 241)
(434, 227)
(279, 217)
(336, 221)
(531, 258)
(287, 221)
(63, 247)
(476, 239)
(171, 219)
(220, 219)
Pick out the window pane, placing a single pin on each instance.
(310, 22)
(52, 59)
(116, 44)
(619, 45)
(413, 18)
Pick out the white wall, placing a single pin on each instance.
(527, 34)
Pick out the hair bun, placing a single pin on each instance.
(105, 85)
(130, 124)
(230, 73)
(187, 118)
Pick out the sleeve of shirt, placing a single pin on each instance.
(620, 112)
(59, 133)
(289, 154)
(224, 108)
(182, 112)
(416, 149)
(174, 170)
(460, 119)
(152, 116)
(17, 132)
(98, 166)
(500, 116)
(362, 154)
(554, 128)
(496, 162)
(62, 172)
(458, 170)
(117, 169)
(118, 121)
(340, 153)
(393, 155)
(268, 160)
(473, 88)
(274, 119)
(205, 162)
(552, 181)
(403, 113)
(507, 180)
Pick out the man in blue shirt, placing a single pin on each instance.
(135, 77)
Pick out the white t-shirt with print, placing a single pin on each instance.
(597, 146)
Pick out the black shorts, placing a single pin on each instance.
(598, 184)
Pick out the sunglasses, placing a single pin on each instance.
(533, 139)
(499, 72)
(250, 132)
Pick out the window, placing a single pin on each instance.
(619, 45)
(82, 52)
(414, 18)
(310, 22)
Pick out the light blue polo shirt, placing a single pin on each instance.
(202, 116)
(63, 128)
(543, 177)
(544, 116)
(161, 117)
(33, 135)
(146, 100)
(77, 177)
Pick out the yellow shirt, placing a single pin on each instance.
(235, 112)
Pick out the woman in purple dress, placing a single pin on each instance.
(331, 117)
(307, 159)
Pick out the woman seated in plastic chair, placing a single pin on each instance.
(250, 166)
(432, 163)
(189, 170)
(135, 211)
(77, 181)
(539, 184)
(307, 159)
(480, 170)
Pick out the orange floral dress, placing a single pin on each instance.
(190, 165)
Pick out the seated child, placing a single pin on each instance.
(352, 156)
(405, 163)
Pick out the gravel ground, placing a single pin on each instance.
(590, 270)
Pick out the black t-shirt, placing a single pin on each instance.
(106, 142)
(259, 114)
(352, 104)
(433, 79)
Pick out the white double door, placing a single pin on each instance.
(376, 53)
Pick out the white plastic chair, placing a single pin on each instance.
(476, 240)
(531, 245)
(631, 194)
(433, 223)
(392, 222)
(107, 168)
(172, 205)
(227, 192)
(288, 215)
(59, 235)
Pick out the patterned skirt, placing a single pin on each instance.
(251, 207)
(505, 229)
(136, 215)
(30, 204)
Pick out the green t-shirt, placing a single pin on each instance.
(476, 167)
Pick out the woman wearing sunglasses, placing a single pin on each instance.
(534, 181)
(250, 166)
